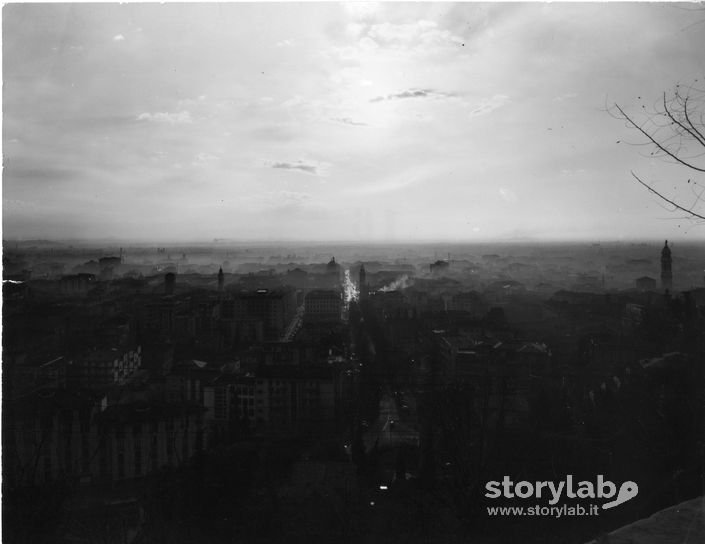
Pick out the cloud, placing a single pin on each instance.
(507, 195)
(200, 100)
(489, 105)
(362, 11)
(418, 40)
(203, 158)
(166, 117)
(285, 43)
(287, 198)
(118, 38)
(307, 167)
(412, 93)
(293, 102)
(39, 173)
(384, 187)
(418, 34)
(348, 121)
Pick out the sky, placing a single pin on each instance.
(354, 121)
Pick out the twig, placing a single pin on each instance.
(686, 210)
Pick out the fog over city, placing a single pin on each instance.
(353, 272)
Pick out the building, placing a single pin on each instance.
(362, 283)
(501, 291)
(295, 398)
(169, 283)
(108, 265)
(666, 275)
(502, 374)
(439, 267)
(158, 316)
(229, 400)
(323, 305)
(333, 270)
(43, 373)
(76, 435)
(645, 283)
(188, 380)
(284, 398)
(469, 303)
(77, 284)
(273, 309)
(102, 368)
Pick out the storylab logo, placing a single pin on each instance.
(557, 492)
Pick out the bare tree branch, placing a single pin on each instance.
(700, 137)
(687, 128)
(662, 197)
(656, 142)
(673, 126)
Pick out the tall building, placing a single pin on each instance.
(221, 280)
(666, 275)
(323, 305)
(362, 283)
(333, 268)
(169, 283)
(107, 266)
(333, 274)
(273, 309)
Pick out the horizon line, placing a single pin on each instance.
(346, 242)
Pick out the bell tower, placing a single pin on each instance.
(666, 275)
(362, 282)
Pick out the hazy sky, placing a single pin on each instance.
(337, 121)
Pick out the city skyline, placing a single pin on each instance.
(355, 122)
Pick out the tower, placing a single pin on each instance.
(333, 268)
(333, 274)
(221, 280)
(169, 283)
(666, 276)
(362, 282)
